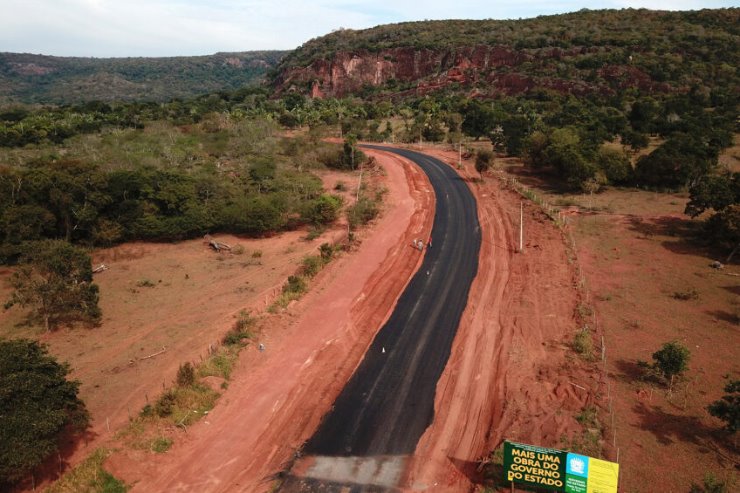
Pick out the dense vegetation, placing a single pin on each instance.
(164, 182)
(37, 404)
(605, 50)
(27, 78)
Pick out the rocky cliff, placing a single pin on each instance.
(584, 52)
(477, 69)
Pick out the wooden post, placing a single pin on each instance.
(521, 227)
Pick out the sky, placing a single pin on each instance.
(134, 28)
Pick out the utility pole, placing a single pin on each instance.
(521, 227)
(459, 155)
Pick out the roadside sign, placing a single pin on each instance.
(557, 470)
(534, 466)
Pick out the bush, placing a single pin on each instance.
(165, 404)
(240, 330)
(689, 294)
(483, 161)
(326, 251)
(583, 343)
(712, 485)
(295, 284)
(161, 445)
(323, 210)
(671, 360)
(728, 407)
(312, 265)
(186, 375)
(361, 213)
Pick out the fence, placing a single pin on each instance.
(588, 312)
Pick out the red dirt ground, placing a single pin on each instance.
(276, 398)
(512, 338)
(510, 375)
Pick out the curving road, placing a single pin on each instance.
(389, 401)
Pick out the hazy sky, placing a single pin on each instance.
(119, 28)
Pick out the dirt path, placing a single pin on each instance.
(277, 398)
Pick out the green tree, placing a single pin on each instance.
(680, 161)
(671, 360)
(715, 192)
(483, 161)
(479, 119)
(724, 227)
(56, 279)
(615, 164)
(728, 407)
(37, 404)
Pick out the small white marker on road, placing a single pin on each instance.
(384, 350)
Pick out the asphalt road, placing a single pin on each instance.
(389, 401)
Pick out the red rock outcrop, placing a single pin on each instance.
(486, 70)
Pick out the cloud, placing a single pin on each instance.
(192, 27)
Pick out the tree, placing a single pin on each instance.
(56, 279)
(478, 119)
(713, 192)
(483, 161)
(728, 407)
(671, 360)
(615, 164)
(37, 404)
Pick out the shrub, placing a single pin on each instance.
(161, 445)
(312, 265)
(165, 404)
(728, 407)
(326, 251)
(88, 476)
(186, 375)
(364, 211)
(689, 294)
(323, 210)
(240, 330)
(712, 485)
(483, 161)
(583, 343)
(295, 284)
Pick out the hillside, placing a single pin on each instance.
(27, 78)
(600, 52)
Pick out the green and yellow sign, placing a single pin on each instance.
(557, 470)
(536, 466)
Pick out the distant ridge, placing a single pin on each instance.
(28, 78)
(584, 52)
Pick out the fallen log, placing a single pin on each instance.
(155, 354)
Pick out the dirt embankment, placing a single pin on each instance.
(277, 397)
(511, 374)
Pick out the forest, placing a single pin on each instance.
(40, 79)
